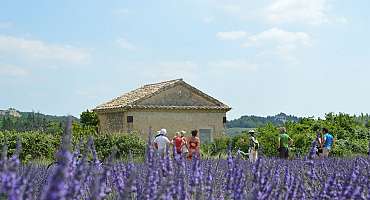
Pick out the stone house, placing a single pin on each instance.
(174, 105)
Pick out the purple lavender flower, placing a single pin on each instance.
(57, 184)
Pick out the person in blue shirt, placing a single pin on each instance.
(328, 142)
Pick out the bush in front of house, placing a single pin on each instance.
(41, 146)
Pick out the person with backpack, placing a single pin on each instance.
(283, 143)
(328, 142)
(161, 142)
(253, 146)
(194, 145)
(178, 142)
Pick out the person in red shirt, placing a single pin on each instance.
(194, 144)
(178, 142)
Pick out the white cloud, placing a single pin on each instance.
(5, 25)
(125, 44)
(231, 35)
(208, 19)
(279, 37)
(312, 12)
(279, 42)
(41, 51)
(121, 11)
(12, 71)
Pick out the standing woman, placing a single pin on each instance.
(184, 148)
(194, 144)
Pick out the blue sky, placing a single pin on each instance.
(301, 57)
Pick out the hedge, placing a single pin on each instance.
(42, 146)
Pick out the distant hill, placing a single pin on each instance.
(251, 121)
(12, 119)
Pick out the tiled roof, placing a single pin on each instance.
(129, 99)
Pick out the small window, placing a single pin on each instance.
(224, 120)
(130, 119)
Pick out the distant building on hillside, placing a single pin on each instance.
(10, 112)
(174, 105)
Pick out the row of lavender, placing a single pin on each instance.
(80, 175)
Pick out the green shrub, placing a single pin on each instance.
(41, 146)
(34, 145)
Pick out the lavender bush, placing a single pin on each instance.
(79, 175)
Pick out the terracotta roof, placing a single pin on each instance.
(129, 99)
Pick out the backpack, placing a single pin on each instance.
(256, 144)
(178, 143)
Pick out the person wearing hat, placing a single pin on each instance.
(161, 142)
(253, 146)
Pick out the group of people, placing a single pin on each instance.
(187, 147)
(325, 142)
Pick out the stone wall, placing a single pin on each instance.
(175, 121)
(112, 122)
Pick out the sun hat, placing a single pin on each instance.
(163, 131)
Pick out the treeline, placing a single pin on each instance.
(352, 135)
(32, 121)
(251, 121)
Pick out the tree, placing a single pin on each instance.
(89, 119)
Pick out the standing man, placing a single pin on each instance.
(284, 142)
(161, 142)
(328, 142)
(253, 146)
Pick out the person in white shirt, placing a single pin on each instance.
(161, 142)
(253, 147)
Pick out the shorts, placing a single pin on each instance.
(283, 152)
(325, 152)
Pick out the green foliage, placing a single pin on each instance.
(89, 119)
(31, 121)
(351, 136)
(41, 146)
(351, 133)
(34, 144)
(124, 143)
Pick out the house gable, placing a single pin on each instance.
(178, 95)
(173, 94)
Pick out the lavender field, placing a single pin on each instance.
(81, 175)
